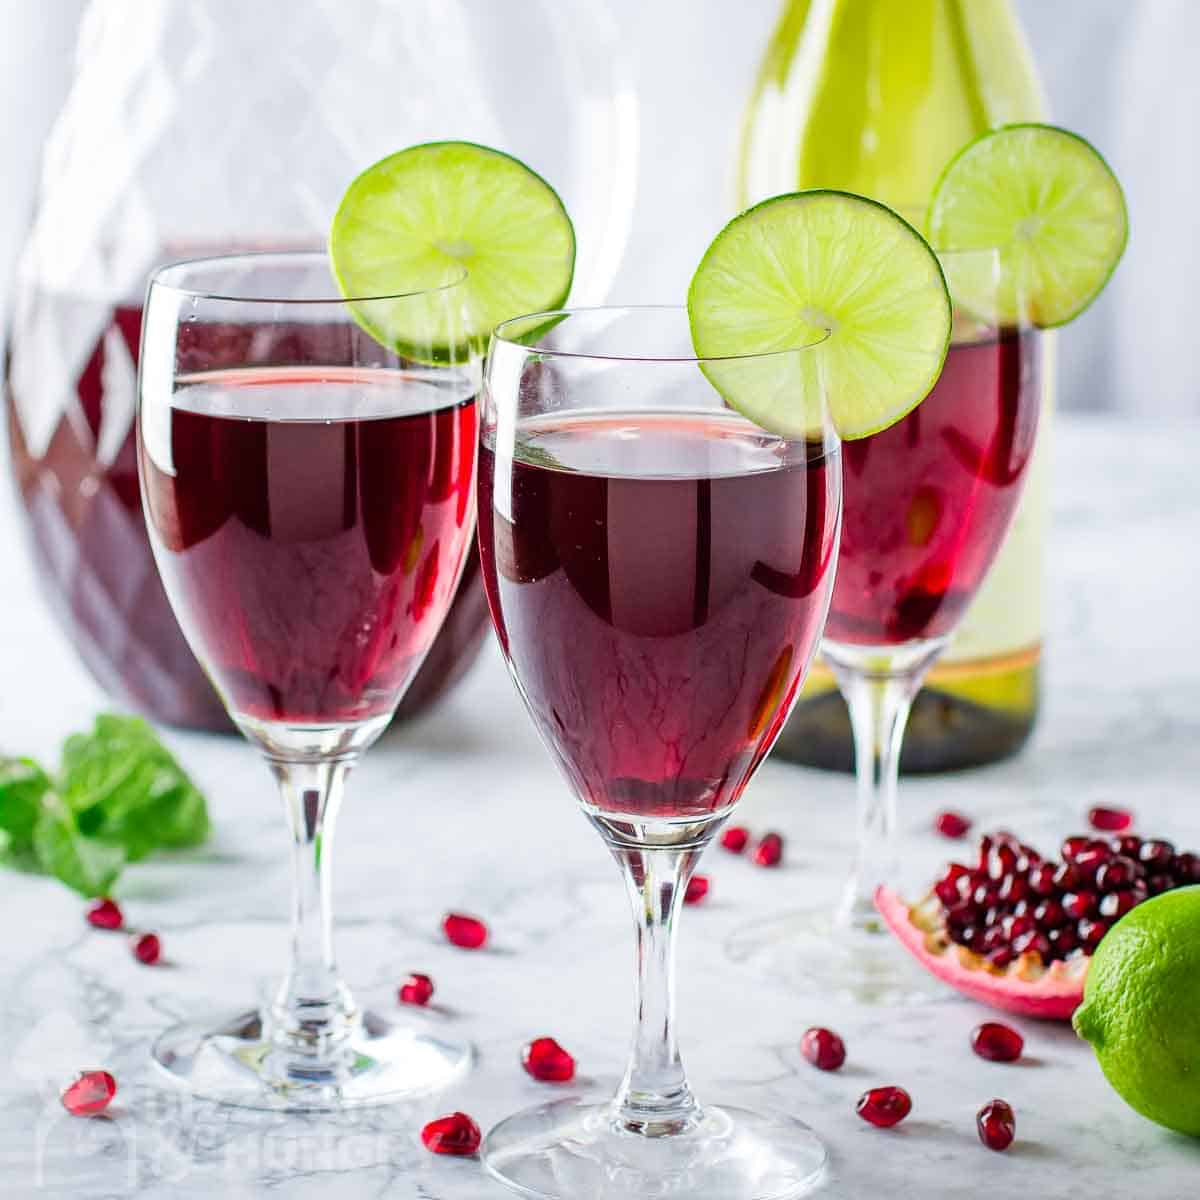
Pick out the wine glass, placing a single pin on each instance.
(310, 501)
(927, 504)
(658, 569)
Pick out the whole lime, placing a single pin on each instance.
(1140, 1012)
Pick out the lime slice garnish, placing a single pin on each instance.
(791, 268)
(418, 218)
(1052, 208)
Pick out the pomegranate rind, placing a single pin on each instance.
(1025, 987)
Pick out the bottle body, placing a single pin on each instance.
(876, 98)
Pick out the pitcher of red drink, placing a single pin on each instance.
(200, 126)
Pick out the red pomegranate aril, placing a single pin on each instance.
(105, 914)
(697, 889)
(823, 1048)
(89, 1093)
(1067, 877)
(769, 851)
(986, 895)
(1033, 942)
(735, 839)
(952, 824)
(997, 1042)
(1078, 905)
(1073, 845)
(147, 948)
(1157, 884)
(1156, 854)
(455, 1134)
(1089, 860)
(994, 939)
(1186, 868)
(1049, 915)
(1116, 904)
(1002, 957)
(947, 891)
(1013, 889)
(1128, 844)
(1063, 941)
(1110, 820)
(546, 1060)
(1041, 879)
(884, 1106)
(466, 932)
(996, 1124)
(1015, 927)
(1090, 933)
(1118, 873)
(416, 989)
(1002, 861)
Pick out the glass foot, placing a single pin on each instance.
(569, 1149)
(862, 963)
(232, 1063)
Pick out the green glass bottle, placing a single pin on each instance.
(876, 96)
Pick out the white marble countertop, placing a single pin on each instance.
(464, 811)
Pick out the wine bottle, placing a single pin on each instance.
(876, 97)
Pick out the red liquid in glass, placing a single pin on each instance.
(658, 594)
(311, 527)
(79, 487)
(926, 503)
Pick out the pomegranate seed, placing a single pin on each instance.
(1073, 845)
(1068, 877)
(1015, 927)
(545, 1059)
(735, 839)
(455, 1134)
(823, 1048)
(105, 914)
(1186, 868)
(1063, 941)
(1089, 860)
(985, 850)
(1116, 904)
(1032, 943)
(1002, 957)
(1090, 933)
(416, 989)
(1127, 844)
(697, 889)
(952, 824)
(462, 930)
(1013, 890)
(769, 852)
(1110, 820)
(1157, 884)
(1049, 915)
(996, 1124)
(1041, 879)
(884, 1106)
(147, 948)
(1002, 861)
(1117, 874)
(1156, 854)
(997, 1042)
(1079, 904)
(89, 1093)
(949, 887)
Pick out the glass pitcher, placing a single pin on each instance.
(201, 126)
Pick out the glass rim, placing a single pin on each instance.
(160, 279)
(556, 315)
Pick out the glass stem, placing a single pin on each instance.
(313, 1015)
(879, 697)
(654, 1098)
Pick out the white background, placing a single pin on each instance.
(1121, 73)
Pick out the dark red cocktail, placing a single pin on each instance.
(311, 526)
(926, 503)
(657, 582)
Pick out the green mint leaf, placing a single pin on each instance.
(82, 863)
(126, 789)
(23, 784)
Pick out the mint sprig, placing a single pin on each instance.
(119, 794)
